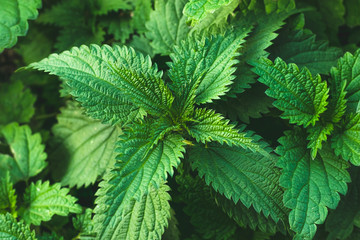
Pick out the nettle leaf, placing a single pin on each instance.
(196, 10)
(241, 175)
(84, 225)
(216, 18)
(202, 70)
(13, 20)
(84, 147)
(352, 9)
(340, 222)
(29, 156)
(104, 6)
(7, 195)
(317, 135)
(301, 48)
(43, 200)
(16, 104)
(146, 218)
(283, 5)
(301, 96)
(348, 70)
(311, 186)
(208, 126)
(11, 229)
(256, 44)
(147, 156)
(172, 232)
(346, 141)
(165, 34)
(110, 82)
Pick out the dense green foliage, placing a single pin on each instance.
(179, 119)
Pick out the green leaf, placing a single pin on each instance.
(256, 44)
(165, 34)
(7, 195)
(241, 175)
(301, 48)
(146, 218)
(13, 20)
(29, 156)
(351, 12)
(43, 200)
(197, 10)
(84, 225)
(340, 222)
(278, 6)
(301, 96)
(317, 135)
(104, 6)
(346, 141)
(11, 229)
(148, 154)
(202, 70)
(84, 147)
(16, 104)
(348, 71)
(311, 186)
(110, 81)
(172, 232)
(208, 126)
(212, 19)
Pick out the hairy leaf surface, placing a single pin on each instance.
(346, 141)
(11, 229)
(43, 200)
(210, 126)
(84, 147)
(301, 96)
(241, 175)
(147, 155)
(28, 152)
(167, 25)
(311, 186)
(110, 82)
(202, 69)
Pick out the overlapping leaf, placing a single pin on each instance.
(13, 20)
(29, 156)
(241, 175)
(7, 195)
(346, 141)
(84, 147)
(301, 96)
(202, 70)
(311, 186)
(43, 200)
(317, 135)
(147, 156)
(114, 84)
(11, 229)
(210, 126)
(169, 32)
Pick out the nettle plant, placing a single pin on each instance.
(188, 126)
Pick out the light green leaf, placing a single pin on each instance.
(172, 232)
(110, 82)
(84, 147)
(84, 225)
(43, 200)
(146, 218)
(7, 195)
(241, 175)
(346, 141)
(317, 135)
(278, 6)
(14, 15)
(301, 96)
(301, 48)
(311, 186)
(11, 229)
(196, 10)
(208, 126)
(148, 154)
(348, 71)
(202, 70)
(29, 156)
(167, 25)
(16, 104)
